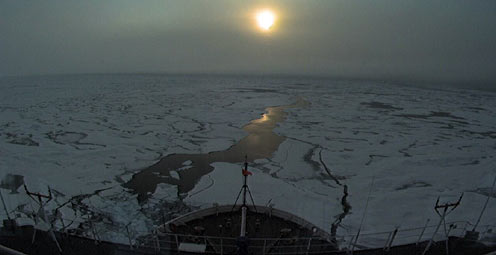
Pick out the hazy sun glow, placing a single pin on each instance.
(265, 19)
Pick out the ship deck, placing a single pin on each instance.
(268, 230)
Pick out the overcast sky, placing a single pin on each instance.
(448, 40)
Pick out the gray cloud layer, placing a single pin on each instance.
(388, 39)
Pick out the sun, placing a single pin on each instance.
(265, 19)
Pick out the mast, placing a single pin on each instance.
(243, 206)
(243, 242)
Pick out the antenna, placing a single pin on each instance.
(42, 204)
(39, 196)
(446, 209)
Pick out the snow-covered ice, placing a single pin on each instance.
(85, 135)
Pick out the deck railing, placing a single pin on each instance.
(227, 245)
(165, 243)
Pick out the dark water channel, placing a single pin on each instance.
(261, 142)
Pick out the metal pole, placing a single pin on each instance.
(308, 245)
(236, 201)
(387, 241)
(447, 238)
(243, 207)
(42, 209)
(35, 223)
(51, 229)
(350, 244)
(363, 216)
(221, 246)
(392, 239)
(485, 205)
(243, 221)
(4, 206)
(251, 197)
(423, 230)
(435, 232)
(34, 236)
(245, 177)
